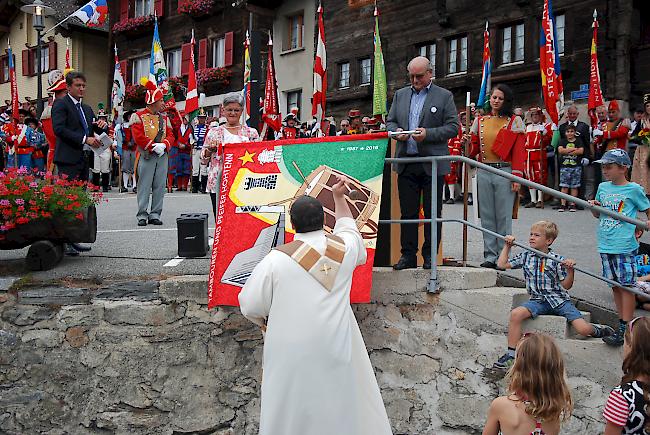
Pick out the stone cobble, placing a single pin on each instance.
(115, 360)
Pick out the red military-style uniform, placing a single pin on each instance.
(615, 135)
(184, 140)
(128, 144)
(455, 146)
(18, 137)
(144, 127)
(507, 143)
(48, 129)
(289, 132)
(538, 137)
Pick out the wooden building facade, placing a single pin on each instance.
(219, 31)
(450, 33)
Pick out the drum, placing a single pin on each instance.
(319, 185)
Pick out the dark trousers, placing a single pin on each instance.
(75, 171)
(213, 198)
(411, 184)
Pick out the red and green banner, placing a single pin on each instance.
(259, 182)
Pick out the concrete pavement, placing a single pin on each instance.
(124, 250)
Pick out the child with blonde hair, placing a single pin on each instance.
(547, 282)
(538, 399)
(626, 410)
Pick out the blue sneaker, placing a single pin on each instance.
(505, 362)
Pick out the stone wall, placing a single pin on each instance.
(143, 358)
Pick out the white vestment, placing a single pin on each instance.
(317, 377)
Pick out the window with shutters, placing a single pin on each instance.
(512, 44)
(174, 62)
(559, 32)
(45, 60)
(296, 32)
(457, 59)
(143, 8)
(4, 68)
(429, 51)
(293, 99)
(365, 71)
(139, 69)
(48, 59)
(344, 75)
(219, 53)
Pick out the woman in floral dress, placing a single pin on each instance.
(231, 132)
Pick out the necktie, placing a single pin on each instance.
(83, 117)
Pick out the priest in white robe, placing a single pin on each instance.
(317, 378)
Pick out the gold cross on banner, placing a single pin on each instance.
(325, 268)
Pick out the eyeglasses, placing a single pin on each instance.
(232, 110)
(417, 76)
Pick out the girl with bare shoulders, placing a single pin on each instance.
(538, 397)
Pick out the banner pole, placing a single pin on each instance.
(466, 180)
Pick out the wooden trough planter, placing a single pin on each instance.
(46, 237)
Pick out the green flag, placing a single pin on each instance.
(379, 76)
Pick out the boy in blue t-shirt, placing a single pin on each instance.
(617, 243)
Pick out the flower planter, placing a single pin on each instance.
(55, 229)
(133, 27)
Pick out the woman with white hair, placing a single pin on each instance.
(230, 132)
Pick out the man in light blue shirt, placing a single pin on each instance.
(430, 111)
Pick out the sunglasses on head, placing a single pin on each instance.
(631, 322)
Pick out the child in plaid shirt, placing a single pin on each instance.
(547, 282)
(617, 243)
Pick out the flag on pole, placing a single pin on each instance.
(93, 13)
(549, 65)
(486, 81)
(320, 73)
(379, 77)
(68, 61)
(271, 111)
(14, 86)
(117, 92)
(158, 68)
(192, 97)
(247, 81)
(595, 92)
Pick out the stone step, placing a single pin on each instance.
(555, 326)
(455, 278)
(387, 283)
(488, 309)
(485, 309)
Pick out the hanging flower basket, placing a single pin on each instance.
(134, 26)
(49, 208)
(178, 87)
(135, 94)
(213, 78)
(196, 8)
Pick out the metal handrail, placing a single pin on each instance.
(432, 285)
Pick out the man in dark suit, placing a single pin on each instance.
(74, 126)
(431, 111)
(583, 135)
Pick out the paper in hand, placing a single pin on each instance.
(105, 142)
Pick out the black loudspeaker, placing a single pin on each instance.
(192, 235)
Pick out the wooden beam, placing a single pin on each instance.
(258, 10)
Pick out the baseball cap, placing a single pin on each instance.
(618, 156)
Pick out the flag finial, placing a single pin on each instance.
(595, 14)
(486, 25)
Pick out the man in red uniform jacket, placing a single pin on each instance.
(616, 130)
(154, 136)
